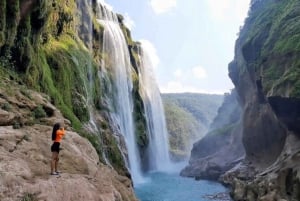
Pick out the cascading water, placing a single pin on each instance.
(158, 149)
(117, 61)
(86, 75)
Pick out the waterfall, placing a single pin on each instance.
(86, 75)
(158, 150)
(116, 60)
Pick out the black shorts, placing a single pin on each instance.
(55, 147)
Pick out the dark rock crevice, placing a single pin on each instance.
(288, 111)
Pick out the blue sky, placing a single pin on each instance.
(191, 42)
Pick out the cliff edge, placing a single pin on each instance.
(265, 72)
(26, 119)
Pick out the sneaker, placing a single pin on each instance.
(58, 172)
(54, 173)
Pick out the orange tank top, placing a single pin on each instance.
(59, 135)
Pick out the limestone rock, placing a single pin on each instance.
(6, 118)
(269, 98)
(221, 149)
(25, 156)
(280, 181)
(25, 161)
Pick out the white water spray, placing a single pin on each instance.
(117, 61)
(88, 81)
(159, 159)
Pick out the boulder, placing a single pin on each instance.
(25, 168)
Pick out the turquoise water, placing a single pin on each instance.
(172, 187)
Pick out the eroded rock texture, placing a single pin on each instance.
(265, 72)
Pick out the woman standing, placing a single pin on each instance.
(57, 133)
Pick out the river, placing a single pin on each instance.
(171, 187)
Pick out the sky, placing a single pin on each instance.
(191, 42)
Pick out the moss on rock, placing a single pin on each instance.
(55, 47)
(271, 45)
(12, 21)
(2, 22)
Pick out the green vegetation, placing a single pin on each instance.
(6, 106)
(225, 130)
(139, 114)
(202, 106)
(16, 125)
(13, 13)
(2, 22)
(29, 197)
(56, 66)
(125, 30)
(115, 156)
(271, 45)
(183, 129)
(25, 92)
(70, 63)
(55, 47)
(188, 117)
(93, 138)
(39, 112)
(5, 60)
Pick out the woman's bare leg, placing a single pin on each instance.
(54, 161)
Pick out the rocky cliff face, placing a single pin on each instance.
(55, 47)
(265, 72)
(26, 119)
(221, 148)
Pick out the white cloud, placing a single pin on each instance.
(218, 8)
(174, 87)
(178, 73)
(228, 9)
(129, 23)
(150, 49)
(179, 87)
(162, 6)
(199, 72)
